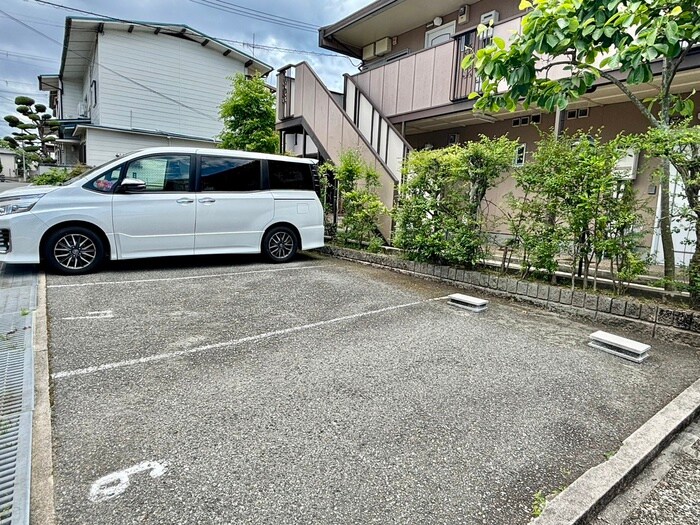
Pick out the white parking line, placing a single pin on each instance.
(106, 314)
(189, 278)
(235, 342)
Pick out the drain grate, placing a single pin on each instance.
(11, 276)
(17, 300)
(15, 458)
(16, 378)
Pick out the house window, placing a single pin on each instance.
(516, 122)
(571, 114)
(520, 155)
(536, 118)
(524, 121)
(93, 93)
(583, 113)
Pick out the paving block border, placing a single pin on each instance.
(648, 320)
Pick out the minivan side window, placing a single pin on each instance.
(105, 183)
(290, 176)
(162, 172)
(230, 174)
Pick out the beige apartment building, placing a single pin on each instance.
(411, 93)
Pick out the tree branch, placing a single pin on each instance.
(626, 90)
(552, 64)
(676, 62)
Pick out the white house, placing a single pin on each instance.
(7, 158)
(128, 85)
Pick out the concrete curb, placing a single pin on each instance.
(587, 496)
(42, 507)
(646, 320)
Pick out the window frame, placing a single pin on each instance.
(264, 174)
(313, 169)
(123, 170)
(521, 147)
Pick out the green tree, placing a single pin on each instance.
(249, 116)
(575, 205)
(681, 145)
(590, 39)
(36, 129)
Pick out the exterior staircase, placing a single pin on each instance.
(340, 123)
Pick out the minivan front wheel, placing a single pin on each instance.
(73, 250)
(280, 244)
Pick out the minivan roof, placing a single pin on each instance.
(222, 153)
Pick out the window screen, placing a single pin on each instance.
(290, 176)
(230, 174)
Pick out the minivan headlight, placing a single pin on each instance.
(19, 204)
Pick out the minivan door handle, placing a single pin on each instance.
(185, 201)
(207, 200)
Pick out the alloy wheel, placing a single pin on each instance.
(75, 251)
(281, 245)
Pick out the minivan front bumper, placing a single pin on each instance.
(20, 236)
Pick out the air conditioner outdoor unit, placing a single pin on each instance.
(488, 16)
(368, 52)
(382, 47)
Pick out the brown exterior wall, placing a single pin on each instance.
(414, 40)
(611, 120)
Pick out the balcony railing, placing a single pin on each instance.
(466, 81)
(429, 78)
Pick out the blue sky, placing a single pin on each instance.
(24, 54)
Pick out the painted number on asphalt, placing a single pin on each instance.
(114, 484)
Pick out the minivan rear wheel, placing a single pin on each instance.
(73, 250)
(280, 244)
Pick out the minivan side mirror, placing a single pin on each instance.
(131, 186)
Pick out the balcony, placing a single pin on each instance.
(431, 78)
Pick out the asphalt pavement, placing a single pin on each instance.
(228, 390)
(7, 185)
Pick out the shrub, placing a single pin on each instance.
(439, 215)
(361, 206)
(57, 176)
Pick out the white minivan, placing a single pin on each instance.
(164, 202)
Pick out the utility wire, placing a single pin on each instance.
(231, 4)
(26, 56)
(8, 81)
(35, 20)
(121, 75)
(227, 8)
(265, 17)
(239, 42)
